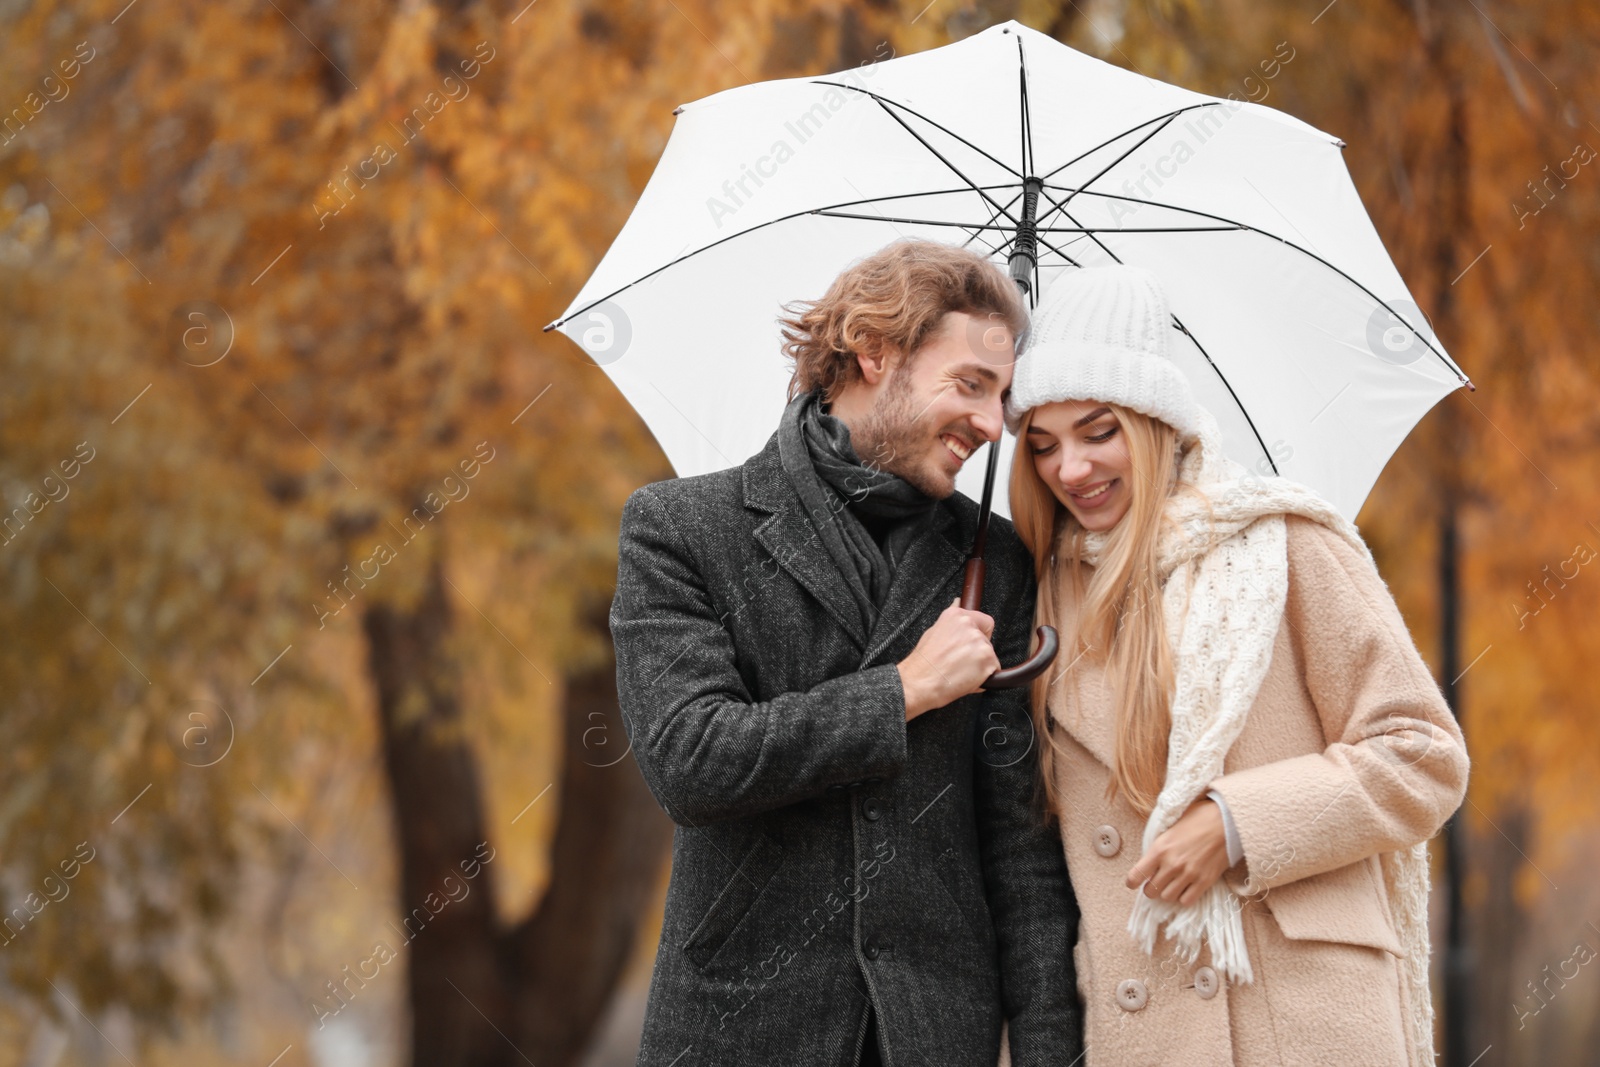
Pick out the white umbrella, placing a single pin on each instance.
(1290, 320)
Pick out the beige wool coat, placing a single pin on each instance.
(1348, 751)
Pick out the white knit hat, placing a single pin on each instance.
(1103, 333)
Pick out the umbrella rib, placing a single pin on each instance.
(1046, 229)
(1183, 329)
(1060, 253)
(1167, 121)
(987, 247)
(935, 152)
(908, 221)
(1168, 117)
(1209, 361)
(940, 157)
(911, 196)
(1027, 124)
(1043, 186)
(1449, 364)
(994, 250)
(828, 209)
(1138, 229)
(884, 103)
(978, 230)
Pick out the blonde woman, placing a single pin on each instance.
(1243, 748)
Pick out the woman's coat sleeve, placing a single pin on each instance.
(1395, 766)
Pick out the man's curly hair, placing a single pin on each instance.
(898, 295)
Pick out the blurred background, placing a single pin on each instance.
(308, 731)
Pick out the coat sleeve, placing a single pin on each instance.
(1034, 911)
(708, 751)
(1395, 766)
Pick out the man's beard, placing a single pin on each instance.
(891, 437)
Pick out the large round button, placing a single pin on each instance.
(1107, 841)
(1131, 994)
(870, 950)
(1205, 983)
(871, 809)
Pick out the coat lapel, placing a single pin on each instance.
(1091, 730)
(790, 536)
(930, 564)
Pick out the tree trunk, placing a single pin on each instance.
(1458, 969)
(453, 982)
(482, 996)
(609, 845)
(1499, 930)
(1452, 225)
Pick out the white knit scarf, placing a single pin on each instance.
(1222, 618)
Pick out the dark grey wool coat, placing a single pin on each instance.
(827, 851)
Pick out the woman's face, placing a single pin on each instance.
(1081, 452)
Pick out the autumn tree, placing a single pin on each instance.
(273, 277)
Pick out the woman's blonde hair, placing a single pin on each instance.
(1119, 620)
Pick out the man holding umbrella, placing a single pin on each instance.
(860, 873)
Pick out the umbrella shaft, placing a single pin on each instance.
(1025, 249)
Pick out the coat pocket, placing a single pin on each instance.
(975, 913)
(1341, 905)
(738, 896)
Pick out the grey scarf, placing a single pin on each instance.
(837, 489)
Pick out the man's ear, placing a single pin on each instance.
(875, 356)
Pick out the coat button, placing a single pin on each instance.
(1107, 841)
(1131, 994)
(1205, 983)
(871, 809)
(870, 949)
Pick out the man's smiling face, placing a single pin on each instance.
(930, 413)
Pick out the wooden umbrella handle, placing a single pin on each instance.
(972, 585)
(1030, 668)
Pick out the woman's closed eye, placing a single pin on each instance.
(1094, 439)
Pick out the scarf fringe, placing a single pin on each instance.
(1214, 920)
(1405, 876)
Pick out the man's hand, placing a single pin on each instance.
(953, 658)
(1186, 859)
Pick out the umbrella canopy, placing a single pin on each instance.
(1290, 320)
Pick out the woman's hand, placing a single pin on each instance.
(1186, 859)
